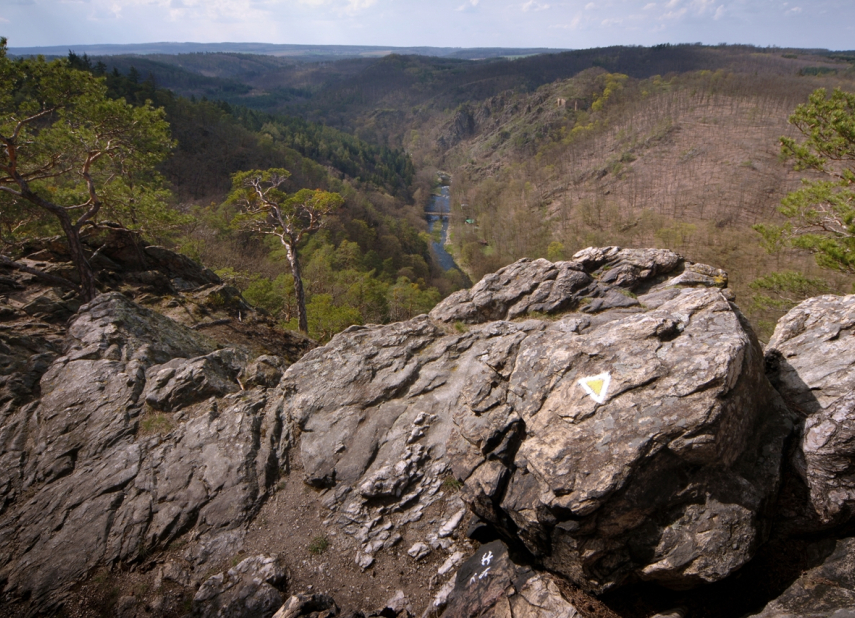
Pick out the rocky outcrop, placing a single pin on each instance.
(167, 282)
(461, 127)
(608, 417)
(811, 360)
(614, 441)
(140, 435)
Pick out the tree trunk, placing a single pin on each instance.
(72, 234)
(302, 320)
(78, 258)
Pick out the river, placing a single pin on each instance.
(441, 205)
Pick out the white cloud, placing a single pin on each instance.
(590, 6)
(469, 5)
(531, 5)
(177, 10)
(793, 11)
(675, 14)
(3, 20)
(355, 6)
(649, 6)
(573, 25)
(719, 12)
(703, 6)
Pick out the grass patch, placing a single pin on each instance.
(157, 423)
(460, 327)
(319, 545)
(451, 484)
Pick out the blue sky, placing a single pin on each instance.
(572, 24)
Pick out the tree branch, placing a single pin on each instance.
(26, 121)
(41, 275)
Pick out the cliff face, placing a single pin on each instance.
(556, 433)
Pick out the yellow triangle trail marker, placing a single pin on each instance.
(597, 386)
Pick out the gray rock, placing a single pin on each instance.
(364, 560)
(182, 382)
(92, 480)
(451, 524)
(265, 372)
(452, 561)
(641, 441)
(811, 355)
(490, 585)
(811, 361)
(825, 591)
(529, 286)
(308, 605)
(418, 551)
(399, 605)
(249, 590)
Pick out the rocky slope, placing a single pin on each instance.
(595, 437)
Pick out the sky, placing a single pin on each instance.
(567, 24)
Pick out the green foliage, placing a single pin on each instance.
(379, 165)
(156, 423)
(318, 545)
(275, 296)
(778, 292)
(784, 290)
(817, 71)
(451, 484)
(822, 213)
(72, 157)
(408, 299)
(79, 149)
(267, 210)
(555, 252)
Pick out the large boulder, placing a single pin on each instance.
(633, 435)
(824, 591)
(811, 361)
(94, 477)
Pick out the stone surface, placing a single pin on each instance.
(249, 590)
(91, 478)
(825, 591)
(664, 472)
(611, 413)
(182, 382)
(490, 585)
(308, 606)
(811, 361)
(811, 355)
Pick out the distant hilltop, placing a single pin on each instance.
(306, 52)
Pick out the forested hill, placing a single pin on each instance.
(675, 146)
(336, 91)
(370, 263)
(272, 50)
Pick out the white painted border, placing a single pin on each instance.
(604, 394)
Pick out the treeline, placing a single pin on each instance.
(371, 263)
(389, 169)
(358, 159)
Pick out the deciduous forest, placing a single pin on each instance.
(674, 146)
